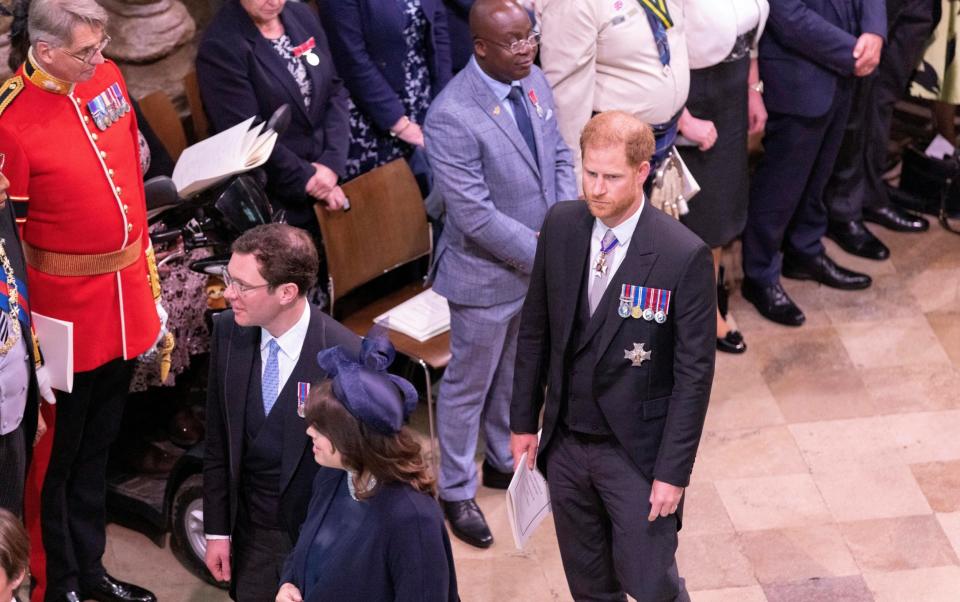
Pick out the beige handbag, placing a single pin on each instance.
(673, 185)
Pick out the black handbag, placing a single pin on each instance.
(931, 186)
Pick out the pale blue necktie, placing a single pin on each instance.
(270, 384)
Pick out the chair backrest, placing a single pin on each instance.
(201, 127)
(386, 227)
(165, 121)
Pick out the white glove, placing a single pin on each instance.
(162, 314)
(43, 382)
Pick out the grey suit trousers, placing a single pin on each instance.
(600, 502)
(476, 390)
(13, 459)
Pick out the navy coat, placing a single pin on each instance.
(240, 75)
(368, 46)
(400, 552)
(807, 45)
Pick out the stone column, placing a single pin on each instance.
(4, 46)
(145, 31)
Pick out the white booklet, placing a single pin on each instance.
(230, 152)
(528, 502)
(56, 343)
(422, 317)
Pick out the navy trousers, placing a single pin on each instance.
(786, 210)
(857, 180)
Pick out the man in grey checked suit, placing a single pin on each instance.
(499, 163)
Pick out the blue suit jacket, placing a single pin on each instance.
(240, 75)
(808, 45)
(400, 552)
(496, 193)
(368, 46)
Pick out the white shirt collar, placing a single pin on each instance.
(290, 342)
(623, 232)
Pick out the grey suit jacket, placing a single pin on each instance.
(496, 193)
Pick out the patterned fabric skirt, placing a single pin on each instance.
(185, 299)
(937, 76)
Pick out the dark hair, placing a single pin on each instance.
(389, 458)
(14, 546)
(283, 253)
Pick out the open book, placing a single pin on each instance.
(422, 317)
(230, 152)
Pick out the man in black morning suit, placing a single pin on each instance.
(627, 383)
(258, 465)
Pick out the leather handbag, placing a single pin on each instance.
(930, 185)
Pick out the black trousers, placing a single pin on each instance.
(13, 466)
(257, 561)
(600, 506)
(72, 512)
(857, 179)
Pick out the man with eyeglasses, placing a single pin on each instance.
(72, 157)
(499, 163)
(258, 466)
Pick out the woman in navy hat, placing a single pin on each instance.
(373, 530)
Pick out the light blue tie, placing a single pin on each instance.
(270, 383)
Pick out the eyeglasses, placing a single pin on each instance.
(519, 46)
(242, 289)
(90, 53)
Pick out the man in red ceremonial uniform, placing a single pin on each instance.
(71, 147)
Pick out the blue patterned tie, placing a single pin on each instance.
(659, 36)
(523, 120)
(270, 383)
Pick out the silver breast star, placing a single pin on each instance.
(637, 355)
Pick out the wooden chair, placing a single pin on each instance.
(385, 228)
(201, 127)
(165, 121)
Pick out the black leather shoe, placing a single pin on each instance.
(854, 238)
(109, 589)
(731, 343)
(70, 597)
(895, 218)
(467, 522)
(495, 479)
(773, 303)
(823, 270)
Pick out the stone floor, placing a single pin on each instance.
(829, 469)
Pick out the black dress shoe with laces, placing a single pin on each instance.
(108, 589)
(895, 218)
(824, 270)
(854, 238)
(773, 303)
(467, 522)
(495, 479)
(732, 342)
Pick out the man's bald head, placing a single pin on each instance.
(488, 16)
(496, 25)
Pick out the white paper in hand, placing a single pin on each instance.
(528, 502)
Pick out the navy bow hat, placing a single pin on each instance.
(380, 400)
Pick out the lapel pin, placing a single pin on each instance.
(303, 391)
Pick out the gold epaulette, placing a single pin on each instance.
(10, 89)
